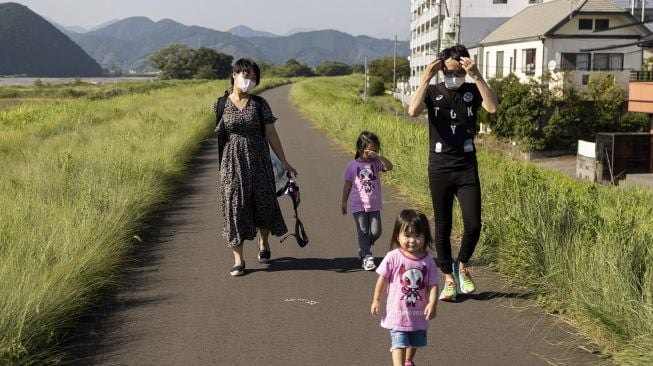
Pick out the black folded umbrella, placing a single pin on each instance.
(292, 190)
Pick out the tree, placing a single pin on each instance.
(384, 68)
(209, 64)
(608, 100)
(523, 112)
(178, 61)
(358, 68)
(375, 86)
(331, 68)
(175, 62)
(291, 68)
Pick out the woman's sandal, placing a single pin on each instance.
(264, 256)
(237, 270)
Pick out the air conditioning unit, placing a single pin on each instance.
(449, 25)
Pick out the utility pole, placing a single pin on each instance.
(394, 68)
(643, 10)
(366, 78)
(632, 7)
(439, 27)
(459, 20)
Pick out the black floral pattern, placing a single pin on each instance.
(246, 175)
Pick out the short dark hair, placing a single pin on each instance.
(455, 52)
(412, 220)
(247, 65)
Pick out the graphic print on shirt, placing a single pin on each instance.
(366, 177)
(412, 281)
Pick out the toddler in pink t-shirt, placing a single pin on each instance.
(408, 278)
(363, 188)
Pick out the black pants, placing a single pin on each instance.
(466, 187)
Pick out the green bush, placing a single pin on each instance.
(375, 86)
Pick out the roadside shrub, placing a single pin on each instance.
(375, 86)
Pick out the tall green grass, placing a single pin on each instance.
(584, 250)
(78, 181)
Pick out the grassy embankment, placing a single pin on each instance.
(582, 250)
(40, 93)
(78, 181)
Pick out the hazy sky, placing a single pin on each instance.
(376, 18)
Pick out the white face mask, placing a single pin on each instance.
(244, 84)
(453, 82)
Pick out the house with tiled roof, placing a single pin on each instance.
(580, 37)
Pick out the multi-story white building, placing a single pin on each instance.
(430, 18)
(478, 18)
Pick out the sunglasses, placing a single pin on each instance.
(455, 52)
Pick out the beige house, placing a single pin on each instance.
(584, 38)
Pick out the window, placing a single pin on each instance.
(487, 64)
(528, 61)
(585, 79)
(534, 1)
(499, 1)
(585, 24)
(608, 61)
(601, 24)
(499, 71)
(514, 61)
(575, 61)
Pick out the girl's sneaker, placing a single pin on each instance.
(368, 263)
(448, 292)
(409, 363)
(464, 279)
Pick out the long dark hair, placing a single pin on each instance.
(364, 139)
(412, 220)
(247, 65)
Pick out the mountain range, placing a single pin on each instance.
(128, 43)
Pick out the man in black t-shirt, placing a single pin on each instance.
(453, 169)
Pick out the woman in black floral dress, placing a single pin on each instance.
(249, 199)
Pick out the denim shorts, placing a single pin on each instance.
(405, 339)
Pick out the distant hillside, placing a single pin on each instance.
(32, 46)
(244, 31)
(316, 47)
(129, 42)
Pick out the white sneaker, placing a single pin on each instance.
(368, 263)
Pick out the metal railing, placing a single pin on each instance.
(641, 76)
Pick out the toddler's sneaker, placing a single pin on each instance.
(448, 292)
(464, 279)
(368, 263)
(409, 363)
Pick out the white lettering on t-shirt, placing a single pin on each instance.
(469, 112)
(452, 114)
(453, 129)
(436, 110)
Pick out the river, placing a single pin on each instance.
(27, 81)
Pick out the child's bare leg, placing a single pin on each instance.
(410, 353)
(398, 356)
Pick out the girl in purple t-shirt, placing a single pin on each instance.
(363, 188)
(408, 277)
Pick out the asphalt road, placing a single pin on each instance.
(309, 306)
